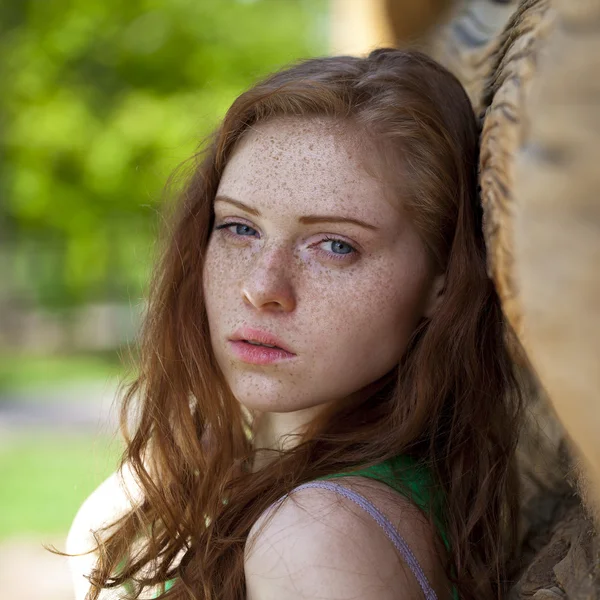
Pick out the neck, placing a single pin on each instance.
(275, 432)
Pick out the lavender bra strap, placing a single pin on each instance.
(385, 524)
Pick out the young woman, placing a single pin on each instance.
(327, 407)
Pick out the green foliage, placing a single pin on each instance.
(101, 100)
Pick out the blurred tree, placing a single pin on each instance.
(100, 101)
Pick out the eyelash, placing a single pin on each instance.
(340, 257)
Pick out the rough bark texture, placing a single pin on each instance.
(560, 552)
(512, 68)
(557, 225)
(532, 70)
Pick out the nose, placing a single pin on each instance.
(268, 285)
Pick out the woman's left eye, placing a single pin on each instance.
(339, 244)
(336, 243)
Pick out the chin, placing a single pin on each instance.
(265, 405)
(275, 403)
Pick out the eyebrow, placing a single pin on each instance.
(307, 219)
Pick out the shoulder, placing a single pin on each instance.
(320, 544)
(112, 499)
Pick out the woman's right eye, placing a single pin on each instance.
(238, 226)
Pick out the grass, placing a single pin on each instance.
(45, 478)
(27, 371)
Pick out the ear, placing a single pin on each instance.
(434, 295)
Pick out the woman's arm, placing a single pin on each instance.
(112, 499)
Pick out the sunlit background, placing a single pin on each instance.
(100, 101)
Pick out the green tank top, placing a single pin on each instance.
(411, 479)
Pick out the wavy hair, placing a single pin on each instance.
(454, 401)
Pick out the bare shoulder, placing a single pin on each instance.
(112, 499)
(320, 544)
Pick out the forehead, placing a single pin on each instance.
(300, 165)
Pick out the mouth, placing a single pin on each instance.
(260, 339)
(262, 345)
(259, 354)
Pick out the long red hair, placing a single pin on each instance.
(453, 402)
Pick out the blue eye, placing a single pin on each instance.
(226, 225)
(337, 243)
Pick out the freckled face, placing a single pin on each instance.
(347, 307)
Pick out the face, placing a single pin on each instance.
(342, 296)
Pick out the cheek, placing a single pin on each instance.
(215, 282)
(225, 264)
(218, 271)
(208, 281)
(380, 315)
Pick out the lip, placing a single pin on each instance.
(258, 355)
(262, 337)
